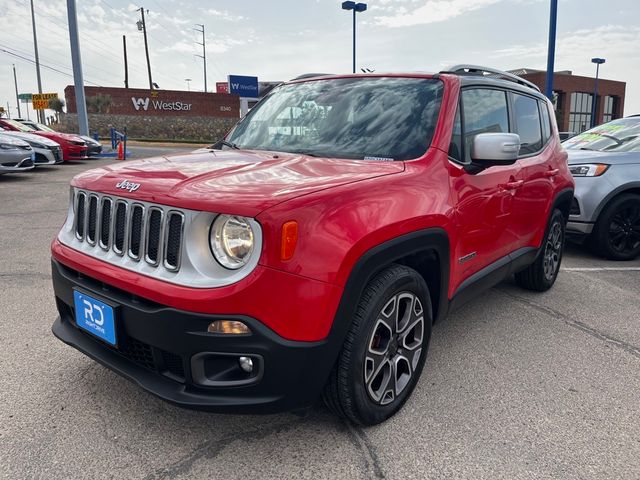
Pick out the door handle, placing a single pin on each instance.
(551, 173)
(513, 185)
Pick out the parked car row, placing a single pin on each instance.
(25, 144)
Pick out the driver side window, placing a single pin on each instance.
(484, 111)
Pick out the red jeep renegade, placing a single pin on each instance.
(310, 256)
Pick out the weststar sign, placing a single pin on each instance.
(165, 103)
(143, 103)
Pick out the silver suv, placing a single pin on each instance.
(605, 162)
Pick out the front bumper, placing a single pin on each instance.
(44, 156)
(19, 165)
(162, 349)
(93, 150)
(74, 152)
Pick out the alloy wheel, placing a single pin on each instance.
(394, 348)
(553, 251)
(624, 230)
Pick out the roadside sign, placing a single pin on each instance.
(244, 86)
(25, 97)
(43, 96)
(41, 100)
(222, 87)
(40, 104)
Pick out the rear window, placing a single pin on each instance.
(380, 119)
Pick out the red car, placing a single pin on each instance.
(310, 257)
(73, 147)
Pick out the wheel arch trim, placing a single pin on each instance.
(635, 186)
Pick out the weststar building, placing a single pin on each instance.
(156, 114)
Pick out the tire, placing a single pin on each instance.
(382, 358)
(542, 273)
(616, 235)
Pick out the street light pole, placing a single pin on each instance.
(594, 102)
(15, 81)
(551, 55)
(76, 63)
(356, 7)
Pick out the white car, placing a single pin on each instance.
(47, 151)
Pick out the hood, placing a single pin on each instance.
(30, 137)
(234, 182)
(89, 140)
(8, 139)
(57, 136)
(591, 156)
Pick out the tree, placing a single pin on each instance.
(100, 103)
(57, 105)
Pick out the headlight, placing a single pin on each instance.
(232, 240)
(7, 146)
(588, 170)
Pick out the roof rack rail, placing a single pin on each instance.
(310, 75)
(492, 72)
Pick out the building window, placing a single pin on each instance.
(609, 108)
(580, 112)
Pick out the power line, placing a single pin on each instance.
(33, 62)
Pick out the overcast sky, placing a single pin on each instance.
(278, 40)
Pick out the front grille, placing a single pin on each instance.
(173, 364)
(575, 208)
(127, 227)
(138, 352)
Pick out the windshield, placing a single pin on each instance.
(19, 126)
(622, 135)
(365, 119)
(41, 127)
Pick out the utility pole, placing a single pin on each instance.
(126, 66)
(204, 53)
(15, 81)
(76, 61)
(39, 113)
(551, 55)
(143, 26)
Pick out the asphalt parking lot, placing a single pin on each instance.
(516, 385)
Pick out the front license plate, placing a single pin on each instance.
(95, 317)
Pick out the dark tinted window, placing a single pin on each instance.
(366, 119)
(546, 122)
(455, 147)
(527, 119)
(485, 111)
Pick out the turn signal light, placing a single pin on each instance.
(228, 327)
(289, 240)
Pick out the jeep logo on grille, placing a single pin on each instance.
(127, 185)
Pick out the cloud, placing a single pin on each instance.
(430, 12)
(224, 15)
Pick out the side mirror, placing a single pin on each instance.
(493, 149)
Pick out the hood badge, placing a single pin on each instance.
(127, 185)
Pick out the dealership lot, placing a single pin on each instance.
(517, 385)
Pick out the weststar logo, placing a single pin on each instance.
(143, 103)
(140, 102)
(127, 185)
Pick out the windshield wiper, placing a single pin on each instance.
(229, 144)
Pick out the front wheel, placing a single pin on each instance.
(385, 349)
(541, 274)
(617, 232)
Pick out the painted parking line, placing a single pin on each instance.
(601, 269)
